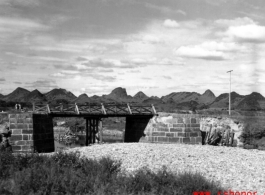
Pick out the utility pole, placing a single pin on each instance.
(230, 93)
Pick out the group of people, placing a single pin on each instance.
(18, 107)
(217, 134)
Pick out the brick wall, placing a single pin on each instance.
(43, 133)
(31, 132)
(173, 128)
(21, 127)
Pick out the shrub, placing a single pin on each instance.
(68, 173)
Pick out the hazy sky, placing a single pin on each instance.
(156, 46)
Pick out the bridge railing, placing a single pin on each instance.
(94, 109)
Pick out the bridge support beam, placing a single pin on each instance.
(92, 129)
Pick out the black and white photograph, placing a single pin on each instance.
(132, 97)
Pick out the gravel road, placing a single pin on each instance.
(235, 168)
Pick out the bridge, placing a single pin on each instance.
(94, 110)
(37, 123)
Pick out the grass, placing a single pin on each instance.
(64, 173)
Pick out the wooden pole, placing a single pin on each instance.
(94, 131)
(100, 131)
(91, 127)
(97, 129)
(86, 132)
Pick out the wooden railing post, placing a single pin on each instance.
(33, 107)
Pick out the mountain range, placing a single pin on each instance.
(170, 102)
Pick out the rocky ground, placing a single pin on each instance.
(235, 168)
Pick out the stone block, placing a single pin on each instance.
(29, 120)
(20, 120)
(194, 135)
(195, 125)
(162, 129)
(180, 120)
(12, 116)
(186, 120)
(193, 140)
(28, 148)
(181, 134)
(16, 131)
(176, 129)
(16, 148)
(13, 120)
(162, 139)
(193, 120)
(196, 129)
(21, 126)
(20, 143)
(174, 139)
(199, 139)
(25, 137)
(186, 140)
(169, 134)
(26, 131)
(179, 125)
(13, 126)
(15, 137)
(158, 134)
(30, 125)
(187, 129)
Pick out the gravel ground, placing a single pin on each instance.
(235, 168)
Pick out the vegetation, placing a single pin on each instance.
(64, 173)
(253, 135)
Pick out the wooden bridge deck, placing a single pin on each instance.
(95, 110)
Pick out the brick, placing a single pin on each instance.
(21, 126)
(29, 143)
(25, 137)
(20, 120)
(193, 134)
(186, 120)
(12, 116)
(196, 129)
(16, 148)
(13, 126)
(193, 120)
(162, 129)
(186, 140)
(15, 137)
(162, 125)
(181, 134)
(158, 134)
(174, 139)
(180, 120)
(179, 125)
(169, 134)
(162, 139)
(13, 120)
(193, 140)
(29, 120)
(195, 125)
(199, 139)
(25, 131)
(20, 142)
(176, 129)
(187, 129)
(16, 131)
(26, 148)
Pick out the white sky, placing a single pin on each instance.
(158, 47)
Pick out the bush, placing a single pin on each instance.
(68, 173)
